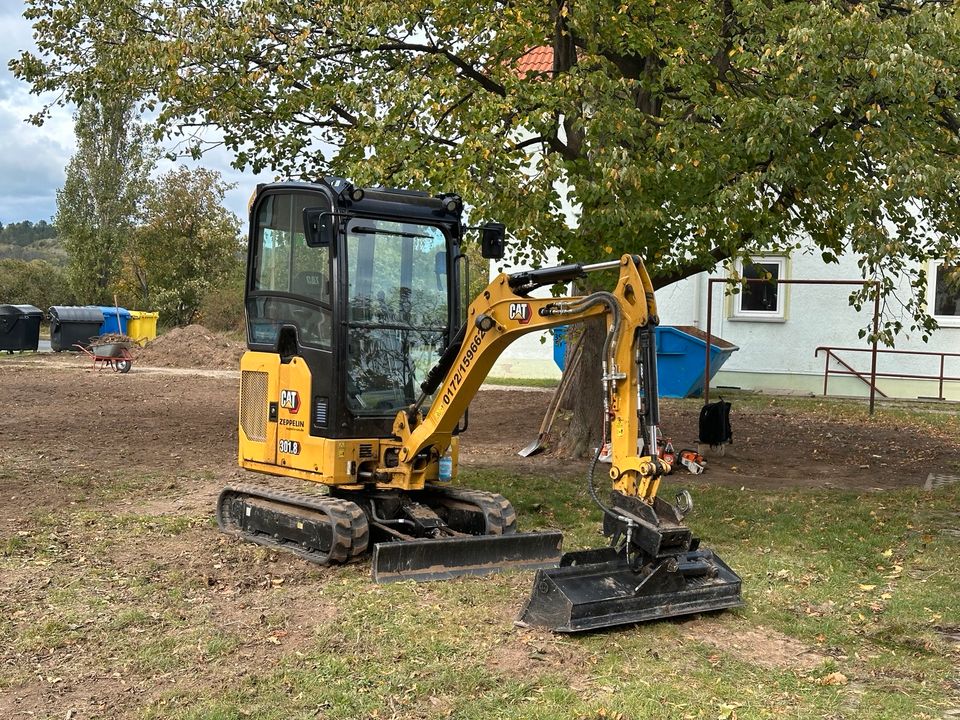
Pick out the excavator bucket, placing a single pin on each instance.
(596, 589)
(445, 558)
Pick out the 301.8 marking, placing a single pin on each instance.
(289, 447)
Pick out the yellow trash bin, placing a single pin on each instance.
(142, 326)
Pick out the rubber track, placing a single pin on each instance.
(351, 533)
(498, 513)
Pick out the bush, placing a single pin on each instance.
(222, 306)
(35, 283)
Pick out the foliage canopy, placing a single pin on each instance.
(188, 243)
(101, 198)
(690, 131)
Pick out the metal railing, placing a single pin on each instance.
(869, 379)
(732, 281)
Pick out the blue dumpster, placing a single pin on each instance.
(560, 346)
(681, 362)
(680, 358)
(114, 320)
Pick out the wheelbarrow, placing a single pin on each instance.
(114, 354)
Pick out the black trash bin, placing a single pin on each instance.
(71, 326)
(20, 327)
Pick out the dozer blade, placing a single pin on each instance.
(445, 558)
(598, 588)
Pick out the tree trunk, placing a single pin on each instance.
(585, 400)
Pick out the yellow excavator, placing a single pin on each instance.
(363, 357)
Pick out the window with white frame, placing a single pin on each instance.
(944, 294)
(761, 298)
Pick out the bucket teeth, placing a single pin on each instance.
(599, 588)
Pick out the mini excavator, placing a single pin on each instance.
(363, 356)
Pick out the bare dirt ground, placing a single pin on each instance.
(60, 416)
(67, 430)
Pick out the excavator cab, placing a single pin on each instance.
(362, 287)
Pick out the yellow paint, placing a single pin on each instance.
(326, 461)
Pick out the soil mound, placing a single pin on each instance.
(192, 346)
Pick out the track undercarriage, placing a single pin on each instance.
(437, 533)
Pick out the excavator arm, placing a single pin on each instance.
(503, 312)
(654, 567)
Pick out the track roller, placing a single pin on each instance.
(318, 528)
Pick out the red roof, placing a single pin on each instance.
(537, 60)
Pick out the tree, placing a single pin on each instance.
(26, 232)
(688, 131)
(36, 283)
(102, 195)
(188, 244)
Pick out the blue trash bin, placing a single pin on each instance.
(680, 358)
(681, 362)
(115, 320)
(560, 346)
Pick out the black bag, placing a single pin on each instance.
(715, 423)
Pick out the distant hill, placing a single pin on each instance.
(26, 240)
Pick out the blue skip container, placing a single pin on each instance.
(681, 358)
(115, 320)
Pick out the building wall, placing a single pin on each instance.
(531, 356)
(781, 355)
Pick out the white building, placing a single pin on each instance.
(778, 330)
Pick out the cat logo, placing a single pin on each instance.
(290, 399)
(520, 312)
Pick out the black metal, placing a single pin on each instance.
(71, 326)
(446, 558)
(320, 529)
(593, 591)
(439, 371)
(492, 241)
(528, 280)
(20, 327)
(289, 525)
(651, 397)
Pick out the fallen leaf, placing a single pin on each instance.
(834, 678)
(867, 588)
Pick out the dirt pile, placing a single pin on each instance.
(192, 346)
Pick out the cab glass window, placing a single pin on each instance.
(286, 266)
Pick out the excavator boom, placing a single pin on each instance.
(654, 568)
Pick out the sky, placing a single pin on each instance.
(32, 159)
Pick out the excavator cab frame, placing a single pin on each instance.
(335, 275)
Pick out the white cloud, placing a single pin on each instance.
(32, 159)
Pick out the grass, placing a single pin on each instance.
(202, 627)
(939, 417)
(523, 382)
